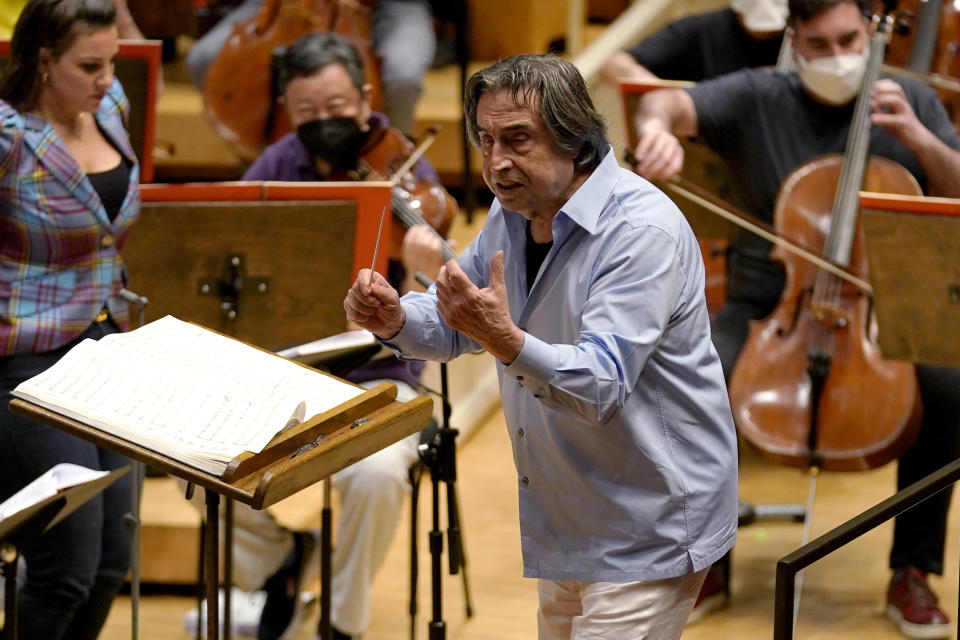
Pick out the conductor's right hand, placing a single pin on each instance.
(374, 306)
(658, 155)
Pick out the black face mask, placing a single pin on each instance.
(336, 140)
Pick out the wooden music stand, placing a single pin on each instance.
(138, 67)
(265, 262)
(293, 460)
(912, 246)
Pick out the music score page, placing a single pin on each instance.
(184, 391)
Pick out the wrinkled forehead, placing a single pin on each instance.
(508, 107)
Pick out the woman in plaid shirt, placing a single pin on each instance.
(68, 197)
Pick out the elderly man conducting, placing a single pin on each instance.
(587, 286)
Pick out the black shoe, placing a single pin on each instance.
(339, 635)
(283, 609)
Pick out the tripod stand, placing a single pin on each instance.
(438, 455)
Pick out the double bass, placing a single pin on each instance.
(239, 95)
(810, 388)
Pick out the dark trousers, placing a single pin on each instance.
(920, 533)
(75, 569)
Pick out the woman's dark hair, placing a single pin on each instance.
(311, 53)
(52, 25)
(803, 10)
(559, 93)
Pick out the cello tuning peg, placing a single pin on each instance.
(904, 22)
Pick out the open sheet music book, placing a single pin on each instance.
(55, 479)
(70, 482)
(338, 343)
(184, 391)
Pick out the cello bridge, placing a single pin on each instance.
(831, 315)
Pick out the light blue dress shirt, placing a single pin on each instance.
(622, 435)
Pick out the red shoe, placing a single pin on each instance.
(714, 594)
(913, 607)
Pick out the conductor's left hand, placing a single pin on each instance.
(482, 314)
(374, 306)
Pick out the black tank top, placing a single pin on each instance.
(111, 186)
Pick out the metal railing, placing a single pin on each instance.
(790, 565)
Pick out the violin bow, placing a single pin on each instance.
(707, 200)
(427, 139)
(698, 195)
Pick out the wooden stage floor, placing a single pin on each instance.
(842, 599)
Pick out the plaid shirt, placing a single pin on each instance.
(59, 253)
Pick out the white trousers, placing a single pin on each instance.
(372, 493)
(616, 611)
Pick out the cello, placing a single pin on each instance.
(810, 387)
(238, 93)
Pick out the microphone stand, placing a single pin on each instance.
(439, 456)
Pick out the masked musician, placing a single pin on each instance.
(765, 125)
(403, 38)
(746, 34)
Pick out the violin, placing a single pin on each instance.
(388, 155)
(239, 94)
(810, 387)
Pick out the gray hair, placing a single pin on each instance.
(313, 52)
(560, 95)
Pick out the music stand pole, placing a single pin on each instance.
(139, 474)
(326, 566)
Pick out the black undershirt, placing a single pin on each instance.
(536, 254)
(111, 186)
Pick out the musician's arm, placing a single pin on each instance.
(128, 30)
(672, 109)
(421, 252)
(662, 116)
(926, 133)
(941, 164)
(126, 26)
(623, 66)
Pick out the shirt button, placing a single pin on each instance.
(520, 433)
(520, 378)
(106, 241)
(525, 481)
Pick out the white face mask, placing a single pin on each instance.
(834, 80)
(762, 16)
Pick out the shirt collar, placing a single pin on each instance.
(585, 205)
